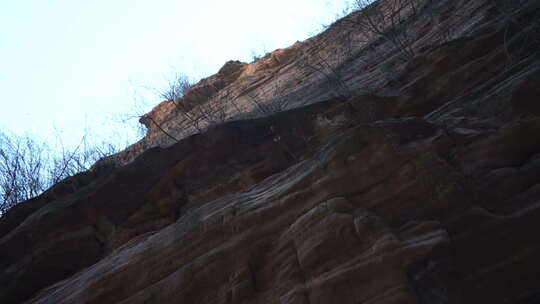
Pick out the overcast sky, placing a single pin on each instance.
(64, 62)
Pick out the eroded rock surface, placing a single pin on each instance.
(423, 190)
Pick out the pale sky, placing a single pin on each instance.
(64, 62)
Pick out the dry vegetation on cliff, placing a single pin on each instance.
(28, 167)
(395, 164)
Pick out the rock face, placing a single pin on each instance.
(423, 189)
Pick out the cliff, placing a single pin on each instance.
(389, 175)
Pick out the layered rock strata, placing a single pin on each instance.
(423, 189)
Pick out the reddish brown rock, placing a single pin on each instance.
(425, 189)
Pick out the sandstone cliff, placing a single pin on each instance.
(389, 179)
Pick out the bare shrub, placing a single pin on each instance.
(178, 85)
(28, 167)
(387, 20)
(276, 104)
(256, 55)
(23, 170)
(201, 115)
(521, 37)
(316, 63)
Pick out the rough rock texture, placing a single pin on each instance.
(341, 61)
(423, 189)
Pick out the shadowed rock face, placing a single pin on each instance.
(426, 190)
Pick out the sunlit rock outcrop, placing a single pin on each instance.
(389, 180)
